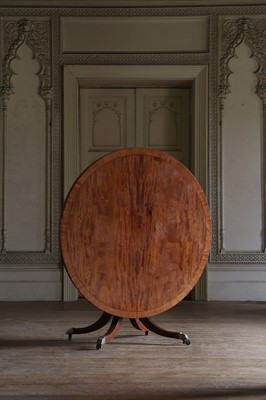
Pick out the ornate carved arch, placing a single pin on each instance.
(233, 32)
(35, 34)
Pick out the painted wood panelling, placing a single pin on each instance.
(220, 29)
(111, 119)
(163, 121)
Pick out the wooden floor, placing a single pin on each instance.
(226, 358)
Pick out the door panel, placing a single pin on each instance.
(116, 118)
(107, 122)
(163, 121)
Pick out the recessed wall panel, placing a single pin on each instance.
(147, 35)
(243, 162)
(25, 158)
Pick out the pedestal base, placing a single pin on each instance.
(143, 324)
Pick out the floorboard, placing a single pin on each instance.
(226, 358)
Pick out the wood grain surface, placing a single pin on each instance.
(135, 232)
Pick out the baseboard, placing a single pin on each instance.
(30, 283)
(237, 282)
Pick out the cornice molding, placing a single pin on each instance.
(127, 3)
(144, 10)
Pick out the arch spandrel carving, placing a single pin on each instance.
(234, 31)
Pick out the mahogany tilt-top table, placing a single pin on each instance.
(135, 238)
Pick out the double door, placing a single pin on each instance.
(115, 118)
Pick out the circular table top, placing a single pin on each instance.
(135, 232)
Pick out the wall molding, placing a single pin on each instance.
(30, 267)
(233, 31)
(123, 3)
(35, 33)
(236, 267)
(34, 275)
(32, 8)
(181, 34)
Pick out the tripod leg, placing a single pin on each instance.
(162, 332)
(111, 333)
(105, 317)
(138, 325)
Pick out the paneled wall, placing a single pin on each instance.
(36, 45)
(240, 241)
(30, 162)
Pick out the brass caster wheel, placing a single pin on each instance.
(99, 343)
(69, 333)
(184, 338)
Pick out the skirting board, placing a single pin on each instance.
(30, 283)
(240, 282)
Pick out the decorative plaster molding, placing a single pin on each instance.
(158, 106)
(233, 31)
(127, 3)
(239, 258)
(114, 107)
(236, 268)
(36, 35)
(19, 257)
(160, 9)
(135, 59)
